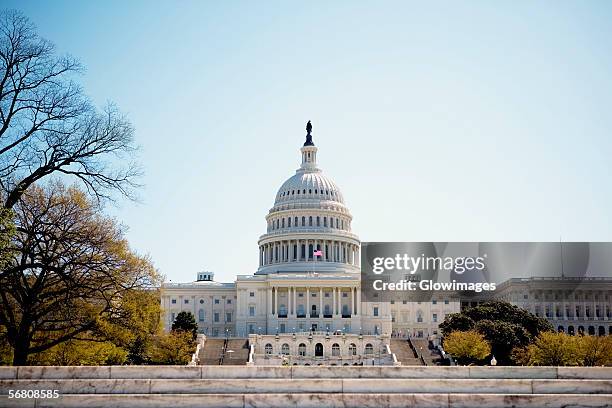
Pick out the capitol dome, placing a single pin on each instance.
(308, 223)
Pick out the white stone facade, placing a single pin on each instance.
(572, 305)
(320, 348)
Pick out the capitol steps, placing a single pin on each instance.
(225, 386)
(403, 352)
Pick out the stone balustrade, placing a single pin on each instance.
(239, 386)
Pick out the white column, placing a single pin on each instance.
(333, 301)
(275, 300)
(270, 312)
(320, 302)
(358, 301)
(307, 302)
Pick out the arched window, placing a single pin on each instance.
(352, 349)
(285, 349)
(369, 349)
(310, 221)
(325, 221)
(268, 349)
(289, 222)
(310, 191)
(303, 221)
(283, 223)
(302, 349)
(318, 221)
(336, 350)
(310, 250)
(304, 191)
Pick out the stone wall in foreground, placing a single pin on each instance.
(240, 386)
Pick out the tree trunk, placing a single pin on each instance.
(21, 352)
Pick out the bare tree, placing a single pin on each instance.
(70, 272)
(48, 126)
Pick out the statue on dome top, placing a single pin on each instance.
(308, 135)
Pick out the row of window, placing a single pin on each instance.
(202, 316)
(319, 349)
(405, 317)
(321, 192)
(202, 301)
(578, 312)
(310, 221)
(433, 302)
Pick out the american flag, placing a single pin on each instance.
(318, 253)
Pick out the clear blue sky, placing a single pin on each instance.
(439, 121)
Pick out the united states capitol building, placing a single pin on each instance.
(296, 288)
(308, 279)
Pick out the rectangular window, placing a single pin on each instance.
(174, 301)
(434, 302)
(216, 317)
(228, 317)
(375, 311)
(252, 294)
(229, 301)
(216, 301)
(251, 310)
(446, 301)
(186, 301)
(435, 317)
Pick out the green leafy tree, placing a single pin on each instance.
(595, 350)
(71, 269)
(185, 321)
(77, 352)
(467, 346)
(174, 348)
(504, 325)
(553, 349)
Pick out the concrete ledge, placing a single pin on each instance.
(529, 401)
(424, 386)
(513, 372)
(420, 372)
(600, 373)
(63, 372)
(245, 372)
(153, 372)
(8, 372)
(316, 400)
(304, 386)
(246, 386)
(260, 372)
(80, 386)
